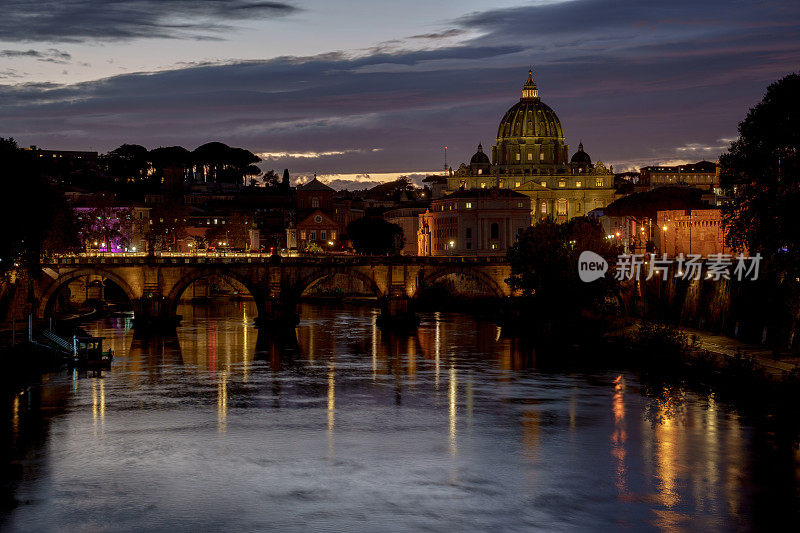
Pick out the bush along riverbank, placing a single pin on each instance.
(664, 355)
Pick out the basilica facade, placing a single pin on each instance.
(531, 157)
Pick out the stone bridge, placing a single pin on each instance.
(155, 284)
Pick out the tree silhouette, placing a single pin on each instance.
(29, 206)
(375, 236)
(544, 265)
(760, 171)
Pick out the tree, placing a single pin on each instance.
(271, 179)
(28, 207)
(63, 235)
(760, 170)
(107, 224)
(221, 163)
(128, 161)
(235, 232)
(168, 222)
(544, 266)
(375, 236)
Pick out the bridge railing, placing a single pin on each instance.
(257, 257)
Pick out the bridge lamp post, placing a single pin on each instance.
(452, 247)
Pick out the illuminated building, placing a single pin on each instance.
(702, 175)
(408, 219)
(531, 157)
(473, 222)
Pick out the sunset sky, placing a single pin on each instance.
(347, 88)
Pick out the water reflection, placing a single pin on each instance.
(343, 425)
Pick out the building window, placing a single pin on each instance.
(469, 233)
(494, 230)
(333, 235)
(543, 184)
(519, 204)
(517, 184)
(543, 208)
(518, 156)
(302, 235)
(598, 182)
(469, 246)
(480, 171)
(579, 184)
(562, 183)
(501, 184)
(530, 156)
(541, 156)
(314, 202)
(469, 205)
(561, 206)
(483, 185)
(312, 235)
(323, 234)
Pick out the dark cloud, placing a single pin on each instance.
(452, 32)
(80, 20)
(51, 55)
(637, 86)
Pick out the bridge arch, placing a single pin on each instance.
(174, 295)
(308, 280)
(64, 279)
(430, 279)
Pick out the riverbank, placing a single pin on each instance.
(723, 349)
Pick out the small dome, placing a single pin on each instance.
(580, 157)
(480, 158)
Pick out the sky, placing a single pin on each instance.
(364, 91)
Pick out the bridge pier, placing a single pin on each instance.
(397, 309)
(153, 312)
(278, 312)
(397, 312)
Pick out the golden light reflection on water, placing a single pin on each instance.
(671, 461)
(437, 347)
(573, 411)
(667, 442)
(619, 435)
(222, 401)
(15, 416)
(245, 345)
(374, 337)
(218, 347)
(453, 411)
(98, 405)
(331, 408)
(530, 434)
(736, 460)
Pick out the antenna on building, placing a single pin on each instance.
(445, 158)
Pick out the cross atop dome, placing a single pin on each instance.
(529, 90)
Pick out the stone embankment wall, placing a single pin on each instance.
(746, 310)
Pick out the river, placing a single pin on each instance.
(339, 426)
